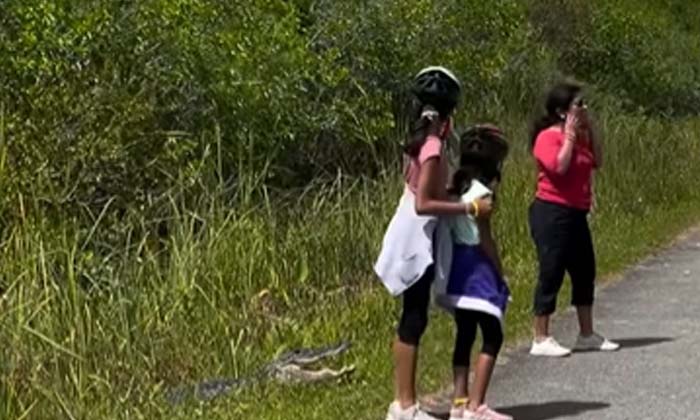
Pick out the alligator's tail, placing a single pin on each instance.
(210, 389)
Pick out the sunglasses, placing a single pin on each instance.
(580, 102)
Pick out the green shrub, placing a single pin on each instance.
(190, 187)
(637, 54)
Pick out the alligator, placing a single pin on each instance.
(287, 368)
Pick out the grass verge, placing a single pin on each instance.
(237, 286)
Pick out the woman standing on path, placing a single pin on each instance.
(406, 262)
(567, 152)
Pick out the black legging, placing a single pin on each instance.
(414, 316)
(467, 322)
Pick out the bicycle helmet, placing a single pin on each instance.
(439, 87)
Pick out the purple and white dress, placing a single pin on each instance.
(467, 278)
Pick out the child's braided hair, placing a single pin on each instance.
(484, 142)
(483, 148)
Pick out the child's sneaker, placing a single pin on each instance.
(463, 415)
(410, 413)
(486, 413)
(549, 348)
(595, 342)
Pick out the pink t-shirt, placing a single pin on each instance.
(573, 188)
(433, 147)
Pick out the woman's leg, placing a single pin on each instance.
(492, 334)
(581, 266)
(585, 320)
(414, 320)
(541, 327)
(549, 230)
(466, 334)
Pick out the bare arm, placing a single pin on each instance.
(565, 154)
(431, 196)
(488, 244)
(571, 129)
(554, 155)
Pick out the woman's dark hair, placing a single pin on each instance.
(559, 100)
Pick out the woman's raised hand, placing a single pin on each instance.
(574, 122)
(578, 114)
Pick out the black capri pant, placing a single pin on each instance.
(414, 314)
(491, 334)
(564, 244)
(414, 320)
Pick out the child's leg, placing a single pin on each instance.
(492, 342)
(466, 334)
(414, 320)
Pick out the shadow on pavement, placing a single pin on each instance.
(552, 410)
(631, 343)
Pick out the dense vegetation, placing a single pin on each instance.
(190, 186)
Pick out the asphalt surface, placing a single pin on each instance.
(654, 312)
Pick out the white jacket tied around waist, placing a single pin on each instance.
(407, 249)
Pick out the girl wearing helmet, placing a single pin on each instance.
(406, 261)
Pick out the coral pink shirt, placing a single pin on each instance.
(574, 187)
(431, 148)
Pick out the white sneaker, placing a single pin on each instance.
(460, 414)
(486, 413)
(549, 348)
(411, 413)
(482, 413)
(460, 411)
(595, 342)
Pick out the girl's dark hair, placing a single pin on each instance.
(483, 148)
(461, 179)
(419, 125)
(559, 100)
(482, 171)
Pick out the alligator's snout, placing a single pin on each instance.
(290, 366)
(311, 356)
(295, 373)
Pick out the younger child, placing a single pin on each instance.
(475, 291)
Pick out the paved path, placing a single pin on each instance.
(654, 312)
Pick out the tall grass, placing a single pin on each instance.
(128, 261)
(232, 287)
